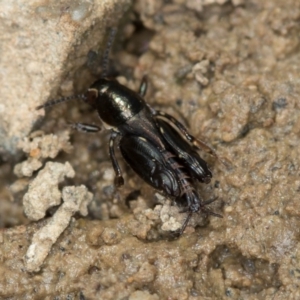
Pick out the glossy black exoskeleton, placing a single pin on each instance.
(154, 144)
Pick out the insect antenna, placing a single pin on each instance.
(61, 100)
(105, 59)
(104, 74)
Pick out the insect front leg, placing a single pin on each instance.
(119, 180)
(143, 86)
(83, 127)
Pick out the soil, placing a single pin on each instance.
(229, 70)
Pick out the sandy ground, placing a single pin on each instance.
(230, 71)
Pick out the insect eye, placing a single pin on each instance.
(91, 96)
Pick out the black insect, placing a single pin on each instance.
(154, 144)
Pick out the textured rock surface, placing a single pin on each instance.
(75, 199)
(42, 44)
(231, 71)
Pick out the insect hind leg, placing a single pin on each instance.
(203, 209)
(195, 142)
(185, 223)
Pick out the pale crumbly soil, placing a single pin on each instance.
(230, 71)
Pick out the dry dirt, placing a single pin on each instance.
(230, 71)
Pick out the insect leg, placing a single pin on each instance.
(190, 213)
(186, 221)
(207, 210)
(119, 180)
(185, 151)
(83, 127)
(196, 142)
(143, 86)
